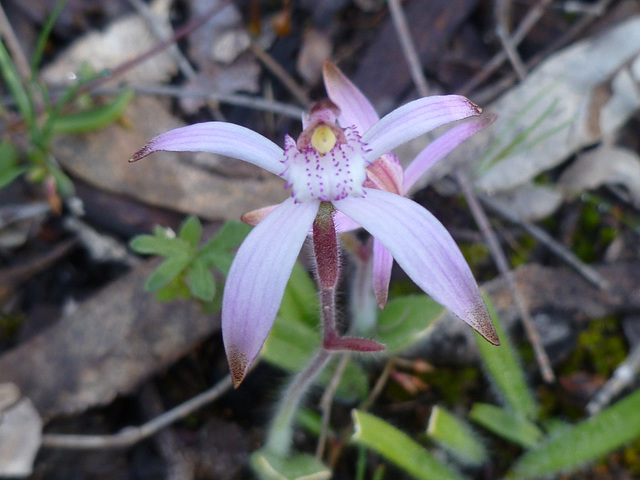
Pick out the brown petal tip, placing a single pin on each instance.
(143, 152)
(239, 365)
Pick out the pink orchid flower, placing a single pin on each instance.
(327, 164)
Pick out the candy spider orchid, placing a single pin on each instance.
(326, 168)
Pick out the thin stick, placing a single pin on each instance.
(589, 273)
(494, 90)
(380, 383)
(281, 74)
(13, 45)
(408, 47)
(327, 400)
(503, 266)
(161, 32)
(255, 103)
(503, 14)
(529, 21)
(159, 47)
(132, 435)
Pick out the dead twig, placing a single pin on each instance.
(503, 15)
(528, 22)
(327, 400)
(159, 47)
(503, 267)
(501, 85)
(255, 103)
(13, 45)
(565, 254)
(379, 386)
(408, 48)
(132, 435)
(281, 74)
(162, 31)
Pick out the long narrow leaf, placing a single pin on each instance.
(15, 86)
(504, 371)
(399, 448)
(457, 437)
(45, 31)
(586, 442)
(506, 424)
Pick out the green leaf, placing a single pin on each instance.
(506, 424)
(504, 371)
(405, 320)
(300, 300)
(64, 185)
(398, 447)
(15, 86)
(217, 251)
(586, 442)
(201, 282)
(9, 167)
(229, 236)
(45, 31)
(191, 231)
(95, 118)
(457, 437)
(291, 343)
(268, 466)
(166, 272)
(158, 244)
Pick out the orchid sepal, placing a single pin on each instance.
(425, 251)
(414, 119)
(221, 138)
(257, 280)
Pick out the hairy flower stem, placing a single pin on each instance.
(327, 256)
(280, 435)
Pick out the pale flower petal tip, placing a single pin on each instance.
(355, 109)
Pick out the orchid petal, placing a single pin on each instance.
(254, 217)
(355, 109)
(425, 251)
(257, 279)
(221, 138)
(382, 265)
(413, 119)
(441, 147)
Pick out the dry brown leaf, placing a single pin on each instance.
(591, 88)
(603, 165)
(123, 40)
(108, 346)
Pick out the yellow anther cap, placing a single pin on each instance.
(323, 139)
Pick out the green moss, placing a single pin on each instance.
(454, 384)
(601, 348)
(594, 232)
(476, 254)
